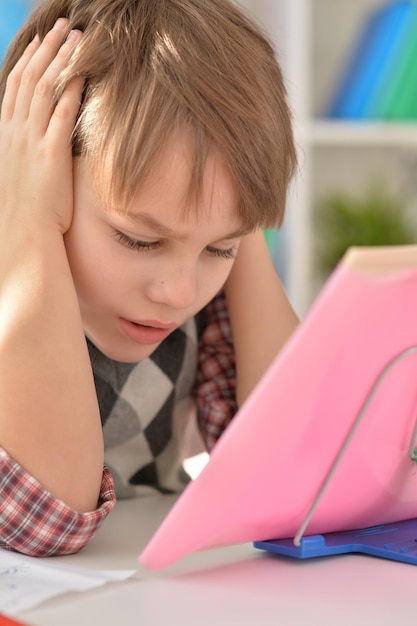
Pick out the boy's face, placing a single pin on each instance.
(140, 275)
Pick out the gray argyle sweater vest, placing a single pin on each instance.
(147, 412)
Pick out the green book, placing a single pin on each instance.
(397, 97)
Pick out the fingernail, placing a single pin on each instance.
(60, 24)
(74, 35)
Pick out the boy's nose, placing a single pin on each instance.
(176, 287)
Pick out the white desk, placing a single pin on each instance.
(227, 586)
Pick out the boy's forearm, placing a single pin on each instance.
(261, 315)
(49, 417)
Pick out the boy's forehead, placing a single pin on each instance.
(168, 190)
(172, 173)
(161, 204)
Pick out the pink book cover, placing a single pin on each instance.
(265, 472)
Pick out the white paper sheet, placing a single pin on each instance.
(26, 581)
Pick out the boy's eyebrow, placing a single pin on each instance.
(145, 219)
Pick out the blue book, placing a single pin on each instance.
(377, 46)
(397, 86)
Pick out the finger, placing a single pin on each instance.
(62, 122)
(42, 104)
(13, 79)
(37, 66)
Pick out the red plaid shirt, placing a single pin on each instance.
(216, 375)
(33, 522)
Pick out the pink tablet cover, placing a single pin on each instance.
(266, 470)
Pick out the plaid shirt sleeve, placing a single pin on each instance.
(35, 523)
(216, 377)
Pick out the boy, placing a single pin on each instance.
(143, 147)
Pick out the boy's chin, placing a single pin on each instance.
(126, 353)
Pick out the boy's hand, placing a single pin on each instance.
(49, 414)
(35, 137)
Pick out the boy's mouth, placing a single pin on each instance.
(146, 332)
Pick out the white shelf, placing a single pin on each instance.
(339, 134)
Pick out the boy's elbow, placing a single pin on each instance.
(54, 531)
(35, 523)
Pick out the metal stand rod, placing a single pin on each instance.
(412, 451)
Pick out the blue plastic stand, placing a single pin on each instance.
(396, 541)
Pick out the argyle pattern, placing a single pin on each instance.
(146, 410)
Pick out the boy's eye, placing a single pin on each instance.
(228, 253)
(135, 244)
(147, 246)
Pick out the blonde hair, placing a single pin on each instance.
(153, 66)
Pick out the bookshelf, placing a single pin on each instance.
(314, 40)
